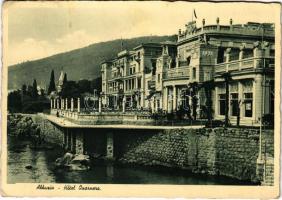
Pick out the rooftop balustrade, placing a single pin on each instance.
(235, 29)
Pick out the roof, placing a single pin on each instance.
(168, 42)
(147, 45)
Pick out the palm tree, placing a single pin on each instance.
(208, 87)
(193, 91)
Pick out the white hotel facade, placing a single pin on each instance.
(158, 76)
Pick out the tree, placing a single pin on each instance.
(227, 79)
(193, 91)
(29, 90)
(24, 88)
(84, 86)
(208, 87)
(34, 89)
(70, 90)
(52, 86)
(14, 101)
(65, 79)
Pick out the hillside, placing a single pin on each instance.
(81, 63)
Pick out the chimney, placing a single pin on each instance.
(203, 23)
(231, 24)
(217, 23)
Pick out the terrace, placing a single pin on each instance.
(176, 73)
(245, 64)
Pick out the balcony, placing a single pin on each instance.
(176, 73)
(244, 64)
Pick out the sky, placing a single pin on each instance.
(39, 29)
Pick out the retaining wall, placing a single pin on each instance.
(231, 152)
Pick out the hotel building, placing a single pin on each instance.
(191, 74)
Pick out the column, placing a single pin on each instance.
(62, 104)
(110, 145)
(66, 106)
(257, 54)
(165, 99)
(69, 139)
(72, 104)
(78, 105)
(58, 103)
(257, 97)
(100, 105)
(240, 97)
(136, 83)
(123, 104)
(174, 98)
(228, 50)
(241, 56)
(79, 142)
(51, 104)
(153, 105)
(66, 139)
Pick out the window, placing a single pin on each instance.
(133, 83)
(248, 101)
(220, 55)
(173, 63)
(194, 73)
(188, 59)
(248, 53)
(159, 78)
(234, 54)
(139, 83)
(221, 104)
(272, 53)
(234, 104)
(153, 67)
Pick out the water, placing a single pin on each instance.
(43, 171)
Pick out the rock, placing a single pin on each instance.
(73, 162)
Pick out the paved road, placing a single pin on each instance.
(66, 123)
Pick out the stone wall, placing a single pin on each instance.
(51, 133)
(229, 152)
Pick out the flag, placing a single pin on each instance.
(195, 14)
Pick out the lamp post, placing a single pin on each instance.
(262, 96)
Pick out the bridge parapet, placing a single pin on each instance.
(103, 117)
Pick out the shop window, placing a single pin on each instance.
(234, 104)
(221, 104)
(248, 101)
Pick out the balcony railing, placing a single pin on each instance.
(178, 72)
(248, 63)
